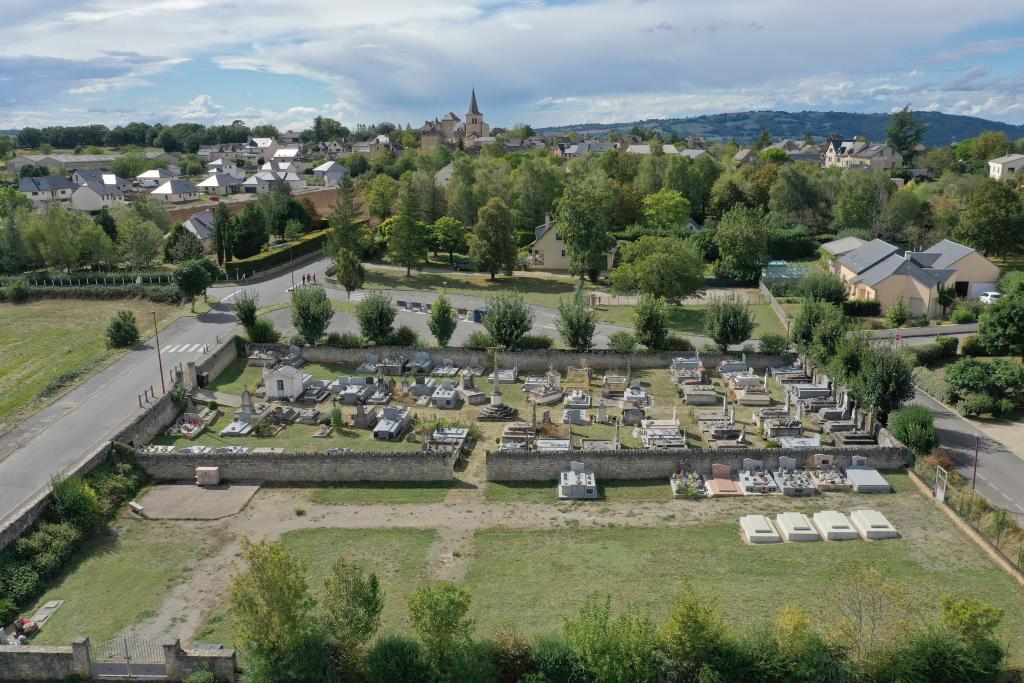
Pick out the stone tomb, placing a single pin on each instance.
(759, 529)
(755, 480)
(578, 482)
(791, 481)
(700, 394)
(795, 527)
(873, 525)
(721, 483)
(577, 398)
(834, 526)
(827, 477)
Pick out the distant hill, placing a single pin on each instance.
(746, 126)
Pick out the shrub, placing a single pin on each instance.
(298, 340)
(17, 290)
(555, 659)
(927, 354)
(397, 657)
(919, 321)
(977, 404)
(964, 314)
(791, 243)
(263, 332)
(20, 582)
(311, 313)
(914, 426)
(508, 318)
(650, 324)
(971, 346)
(512, 655)
(246, 304)
(899, 314)
(676, 342)
(404, 336)
(8, 610)
(622, 342)
(201, 677)
(862, 308)
(479, 340)
(376, 314)
(728, 321)
(75, 502)
(122, 330)
(774, 343)
(535, 342)
(947, 344)
(824, 286)
(49, 546)
(162, 295)
(1011, 282)
(345, 340)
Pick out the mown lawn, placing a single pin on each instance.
(47, 346)
(689, 318)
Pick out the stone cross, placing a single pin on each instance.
(725, 405)
(799, 410)
(766, 378)
(601, 416)
(789, 398)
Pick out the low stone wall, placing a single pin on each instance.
(539, 361)
(305, 467)
(643, 463)
(183, 663)
(219, 360)
(44, 663)
(930, 331)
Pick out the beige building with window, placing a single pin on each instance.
(547, 251)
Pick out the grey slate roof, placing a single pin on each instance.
(843, 245)
(949, 253)
(897, 265)
(47, 183)
(104, 190)
(176, 187)
(867, 255)
(200, 224)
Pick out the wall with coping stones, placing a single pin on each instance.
(642, 463)
(539, 361)
(183, 663)
(44, 663)
(305, 467)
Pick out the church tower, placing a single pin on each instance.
(475, 126)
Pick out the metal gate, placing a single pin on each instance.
(128, 657)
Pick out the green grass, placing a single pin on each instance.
(123, 577)
(381, 493)
(649, 567)
(47, 346)
(689, 319)
(237, 376)
(398, 556)
(612, 491)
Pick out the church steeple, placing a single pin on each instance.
(473, 109)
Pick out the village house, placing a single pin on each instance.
(860, 153)
(226, 166)
(258, 150)
(220, 184)
(154, 177)
(264, 180)
(334, 148)
(200, 224)
(50, 188)
(62, 163)
(1004, 167)
(331, 172)
(176, 191)
(291, 155)
(547, 251)
(85, 177)
(94, 196)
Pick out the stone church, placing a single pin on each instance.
(450, 129)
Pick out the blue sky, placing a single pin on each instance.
(543, 62)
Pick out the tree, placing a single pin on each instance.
(311, 312)
(352, 602)
(650, 322)
(187, 248)
(249, 232)
(667, 267)
(449, 236)
(813, 314)
(536, 184)
(350, 271)
(824, 286)
(583, 213)
(347, 230)
(375, 315)
(619, 649)
(293, 230)
(795, 197)
(906, 217)
(192, 278)
(463, 202)
(742, 240)
(763, 140)
(575, 323)
(246, 304)
(52, 233)
(492, 246)
(862, 196)
(408, 238)
(122, 330)
(666, 211)
(442, 320)
(508, 318)
(13, 255)
(884, 382)
(139, 241)
(992, 219)
(1001, 326)
(904, 133)
(437, 614)
(380, 195)
(694, 636)
(222, 237)
(728, 321)
(914, 426)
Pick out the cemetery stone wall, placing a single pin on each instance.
(45, 662)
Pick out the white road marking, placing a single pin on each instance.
(230, 296)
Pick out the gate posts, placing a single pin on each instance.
(80, 654)
(172, 648)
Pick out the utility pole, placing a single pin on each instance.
(159, 360)
(974, 479)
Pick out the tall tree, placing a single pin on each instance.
(575, 323)
(742, 240)
(380, 195)
(311, 313)
(492, 245)
(992, 219)
(13, 255)
(352, 603)
(192, 279)
(449, 236)
(904, 133)
(437, 614)
(349, 270)
(667, 267)
(139, 241)
(650, 322)
(508, 318)
(347, 230)
(442, 320)
(222, 238)
(666, 212)
(462, 203)
(408, 238)
(583, 214)
(375, 315)
(1001, 326)
(727, 322)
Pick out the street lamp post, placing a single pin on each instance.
(159, 360)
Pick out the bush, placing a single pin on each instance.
(161, 295)
(964, 314)
(345, 340)
(17, 290)
(508, 319)
(404, 336)
(19, 581)
(554, 659)
(479, 340)
(927, 354)
(977, 404)
(676, 342)
(122, 331)
(622, 342)
(914, 426)
(824, 286)
(246, 305)
(899, 314)
(8, 611)
(397, 658)
(933, 385)
(862, 308)
(75, 502)
(512, 656)
(774, 343)
(376, 314)
(201, 677)
(791, 243)
(971, 346)
(263, 332)
(535, 342)
(728, 321)
(947, 344)
(49, 546)
(1011, 282)
(650, 323)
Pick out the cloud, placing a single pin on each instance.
(972, 79)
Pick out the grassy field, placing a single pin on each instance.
(46, 346)
(381, 493)
(398, 556)
(689, 319)
(122, 579)
(612, 491)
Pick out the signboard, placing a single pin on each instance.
(941, 478)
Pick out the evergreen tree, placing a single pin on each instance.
(492, 245)
(407, 238)
(222, 237)
(13, 257)
(904, 133)
(350, 271)
(347, 230)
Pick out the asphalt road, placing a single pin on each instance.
(1000, 472)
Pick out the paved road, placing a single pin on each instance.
(1000, 472)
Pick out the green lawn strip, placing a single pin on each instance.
(120, 580)
(237, 376)
(381, 493)
(398, 556)
(689, 318)
(535, 579)
(612, 491)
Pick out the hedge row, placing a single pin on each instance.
(306, 244)
(862, 308)
(933, 352)
(161, 294)
(80, 506)
(933, 385)
(48, 279)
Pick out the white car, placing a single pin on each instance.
(989, 297)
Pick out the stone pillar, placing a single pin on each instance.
(172, 650)
(82, 656)
(191, 381)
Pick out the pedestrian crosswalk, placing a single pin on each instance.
(183, 348)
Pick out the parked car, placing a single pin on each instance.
(989, 297)
(465, 265)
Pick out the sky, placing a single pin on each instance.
(545, 62)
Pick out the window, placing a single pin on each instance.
(563, 252)
(280, 385)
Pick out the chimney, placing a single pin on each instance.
(547, 220)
